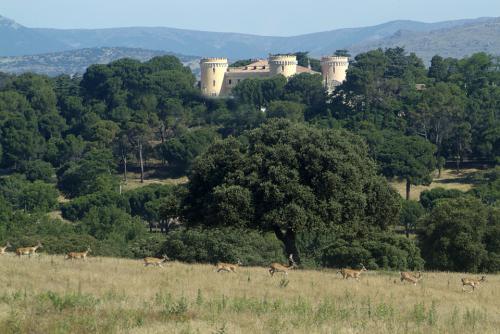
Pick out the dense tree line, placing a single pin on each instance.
(282, 165)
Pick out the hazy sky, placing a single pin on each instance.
(264, 17)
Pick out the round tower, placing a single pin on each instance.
(334, 70)
(212, 75)
(283, 64)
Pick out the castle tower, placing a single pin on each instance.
(213, 71)
(334, 71)
(283, 64)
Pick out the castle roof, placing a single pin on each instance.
(262, 65)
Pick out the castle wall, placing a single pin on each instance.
(283, 64)
(213, 71)
(231, 79)
(334, 70)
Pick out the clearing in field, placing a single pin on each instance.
(450, 179)
(47, 294)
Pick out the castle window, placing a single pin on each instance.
(255, 67)
(264, 67)
(214, 83)
(239, 80)
(213, 69)
(229, 81)
(282, 68)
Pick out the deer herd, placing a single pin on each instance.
(274, 267)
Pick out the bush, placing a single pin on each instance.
(77, 208)
(429, 198)
(37, 170)
(222, 244)
(35, 196)
(456, 236)
(375, 250)
(411, 211)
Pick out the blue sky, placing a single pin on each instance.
(264, 17)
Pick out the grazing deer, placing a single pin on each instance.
(472, 282)
(409, 277)
(346, 273)
(78, 255)
(28, 250)
(153, 261)
(229, 267)
(281, 268)
(3, 249)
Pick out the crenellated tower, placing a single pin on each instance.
(334, 70)
(283, 64)
(213, 71)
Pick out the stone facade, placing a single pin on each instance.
(218, 79)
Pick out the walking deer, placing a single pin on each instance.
(472, 282)
(228, 267)
(281, 268)
(409, 277)
(155, 262)
(3, 249)
(352, 273)
(78, 255)
(28, 250)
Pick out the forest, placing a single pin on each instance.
(281, 167)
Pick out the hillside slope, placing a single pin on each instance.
(455, 42)
(77, 61)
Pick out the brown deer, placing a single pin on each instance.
(281, 268)
(78, 255)
(228, 267)
(409, 277)
(3, 249)
(472, 283)
(153, 261)
(28, 250)
(352, 273)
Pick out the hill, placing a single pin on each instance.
(77, 61)
(458, 41)
(472, 35)
(105, 295)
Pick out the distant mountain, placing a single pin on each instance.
(458, 41)
(18, 40)
(77, 61)
(451, 38)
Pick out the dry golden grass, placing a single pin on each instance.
(134, 181)
(47, 294)
(450, 179)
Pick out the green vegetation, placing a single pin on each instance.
(280, 167)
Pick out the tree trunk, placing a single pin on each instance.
(407, 230)
(408, 185)
(125, 168)
(141, 162)
(288, 240)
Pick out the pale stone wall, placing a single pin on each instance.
(231, 79)
(213, 71)
(283, 64)
(334, 70)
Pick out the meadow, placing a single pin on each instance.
(47, 294)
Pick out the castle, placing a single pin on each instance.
(218, 79)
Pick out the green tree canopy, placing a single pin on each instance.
(287, 178)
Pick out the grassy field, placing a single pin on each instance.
(450, 179)
(47, 294)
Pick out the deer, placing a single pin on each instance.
(153, 261)
(281, 268)
(346, 273)
(472, 283)
(228, 267)
(78, 255)
(28, 250)
(3, 249)
(409, 277)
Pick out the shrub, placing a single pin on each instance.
(222, 244)
(429, 198)
(37, 170)
(77, 208)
